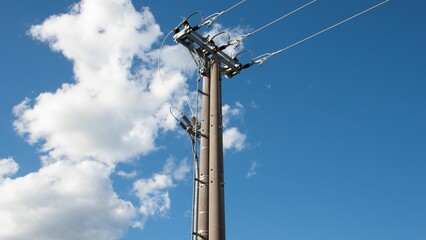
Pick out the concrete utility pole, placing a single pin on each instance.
(211, 211)
(202, 227)
(210, 216)
(216, 181)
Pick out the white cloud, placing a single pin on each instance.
(8, 167)
(231, 112)
(252, 171)
(64, 201)
(153, 192)
(129, 175)
(154, 201)
(233, 139)
(112, 113)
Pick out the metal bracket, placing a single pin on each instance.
(206, 49)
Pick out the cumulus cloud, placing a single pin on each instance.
(231, 112)
(112, 113)
(8, 167)
(233, 139)
(153, 192)
(65, 201)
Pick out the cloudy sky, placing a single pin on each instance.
(325, 141)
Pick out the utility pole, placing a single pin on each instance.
(213, 62)
(202, 226)
(216, 181)
(210, 216)
(211, 210)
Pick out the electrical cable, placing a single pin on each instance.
(173, 115)
(195, 60)
(220, 33)
(238, 40)
(247, 50)
(188, 17)
(262, 58)
(280, 18)
(159, 70)
(196, 166)
(196, 162)
(174, 105)
(213, 17)
(185, 88)
(193, 139)
(195, 189)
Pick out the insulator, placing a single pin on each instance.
(222, 47)
(182, 125)
(195, 28)
(185, 118)
(246, 65)
(194, 120)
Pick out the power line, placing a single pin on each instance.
(210, 19)
(238, 40)
(259, 60)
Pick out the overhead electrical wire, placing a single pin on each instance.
(262, 58)
(184, 20)
(159, 71)
(238, 40)
(286, 15)
(174, 105)
(210, 19)
(194, 141)
(195, 186)
(185, 88)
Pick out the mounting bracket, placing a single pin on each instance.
(206, 49)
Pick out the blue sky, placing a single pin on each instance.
(334, 129)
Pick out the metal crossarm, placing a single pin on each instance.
(206, 49)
